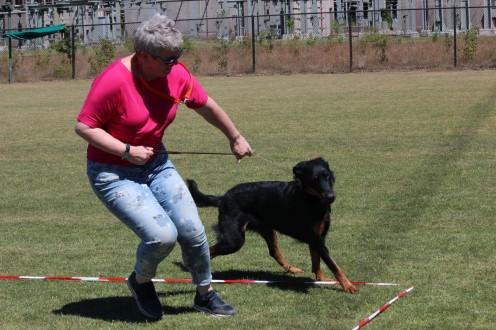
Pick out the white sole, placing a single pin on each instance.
(209, 312)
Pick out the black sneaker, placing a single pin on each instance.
(212, 304)
(146, 298)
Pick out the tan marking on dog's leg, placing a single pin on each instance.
(319, 275)
(345, 282)
(337, 272)
(270, 237)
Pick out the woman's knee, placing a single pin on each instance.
(193, 233)
(166, 238)
(162, 240)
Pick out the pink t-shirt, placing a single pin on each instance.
(128, 110)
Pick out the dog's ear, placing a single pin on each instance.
(298, 169)
(325, 163)
(332, 178)
(298, 172)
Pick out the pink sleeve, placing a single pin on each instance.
(197, 96)
(101, 104)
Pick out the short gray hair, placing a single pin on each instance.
(156, 34)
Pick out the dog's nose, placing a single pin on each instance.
(330, 196)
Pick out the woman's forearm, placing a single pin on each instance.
(216, 116)
(100, 139)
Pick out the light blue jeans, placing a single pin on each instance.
(154, 202)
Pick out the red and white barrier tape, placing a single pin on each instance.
(382, 309)
(178, 280)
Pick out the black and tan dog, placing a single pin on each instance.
(300, 209)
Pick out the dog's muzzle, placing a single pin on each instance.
(328, 196)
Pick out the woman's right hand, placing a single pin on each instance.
(101, 139)
(139, 155)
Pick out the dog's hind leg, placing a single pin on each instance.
(231, 235)
(270, 237)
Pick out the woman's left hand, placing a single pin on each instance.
(240, 147)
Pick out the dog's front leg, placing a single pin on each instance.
(345, 282)
(338, 273)
(319, 275)
(321, 230)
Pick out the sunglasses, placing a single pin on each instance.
(169, 60)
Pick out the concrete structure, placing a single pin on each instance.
(116, 19)
(419, 16)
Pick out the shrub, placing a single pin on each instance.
(380, 42)
(337, 27)
(311, 41)
(448, 42)
(63, 46)
(222, 52)
(387, 18)
(435, 37)
(295, 47)
(104, 54)
(129, 45)
(187, 44)
(290, 24)
(197, 61)
(61, 71)
(42, 60)
(265, 39)
(471, 39)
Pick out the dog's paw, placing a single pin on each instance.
(349, 287)
(321, 277)
(294, 270)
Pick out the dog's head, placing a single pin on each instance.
(315, 178)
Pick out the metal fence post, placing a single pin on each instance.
(454, 36)
(253, 61)
(73, 52)
(350, 42)
(330, 22)
(10, 60)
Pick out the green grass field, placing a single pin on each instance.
(414, 155)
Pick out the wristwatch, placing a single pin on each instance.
(125, 155)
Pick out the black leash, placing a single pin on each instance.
(170, 152)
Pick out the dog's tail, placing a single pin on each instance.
(200, 198)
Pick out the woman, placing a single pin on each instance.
(123, 119)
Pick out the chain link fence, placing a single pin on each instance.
(311, 42)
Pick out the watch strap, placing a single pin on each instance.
(125, 155)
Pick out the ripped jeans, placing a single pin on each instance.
(154, 202)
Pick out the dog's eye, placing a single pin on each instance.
(322, 177)
(330, 178)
